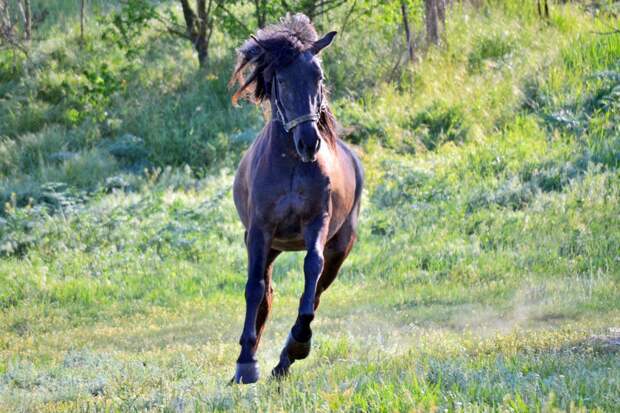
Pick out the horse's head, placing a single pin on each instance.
(288, 73)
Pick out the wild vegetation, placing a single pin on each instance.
(487, 272)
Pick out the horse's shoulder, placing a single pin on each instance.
(356, 165)
(353, 158)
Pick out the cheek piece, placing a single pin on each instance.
(280, 113)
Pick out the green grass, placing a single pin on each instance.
(487, 272)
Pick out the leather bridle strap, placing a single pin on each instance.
(289, 126)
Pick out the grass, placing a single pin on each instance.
(487, 272)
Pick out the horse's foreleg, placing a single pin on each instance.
(258, 245)
(297, 346)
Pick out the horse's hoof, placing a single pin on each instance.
(246, 373)
(280, 371)
(297, 350)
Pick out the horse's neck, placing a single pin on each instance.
(274, 117)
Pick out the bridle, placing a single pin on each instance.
(290, 125)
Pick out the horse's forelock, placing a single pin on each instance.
(248, 55)
(274, 46)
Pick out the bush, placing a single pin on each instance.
(438, 124)
(519, 190)
(490, 51)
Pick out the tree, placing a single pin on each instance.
(409, 40)
(199, 23)
(82, 21)
(260, 11)
(441, 14)
(311, 8)
(26, 12)
(543, 9)
(430, 17)
(9, 30)
(435, 18)
(199, 27)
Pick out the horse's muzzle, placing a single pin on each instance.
(307, 142)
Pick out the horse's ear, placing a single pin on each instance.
(258, 42)
(322, 43)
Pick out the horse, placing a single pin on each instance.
(298, 187)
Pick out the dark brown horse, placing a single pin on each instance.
(297, 188)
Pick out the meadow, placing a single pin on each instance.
(487, 272)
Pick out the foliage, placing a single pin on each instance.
(125, 26)
(490, 50)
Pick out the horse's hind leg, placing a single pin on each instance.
(334, 258)
(298, 344)
(265, 305)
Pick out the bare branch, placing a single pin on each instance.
(221, 6)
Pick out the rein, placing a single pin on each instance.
(290, 125)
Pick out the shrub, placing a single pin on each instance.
(128, 149)
(491, 50)
(519, 190)
(438, 124)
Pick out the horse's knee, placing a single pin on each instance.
(313, 263)
(254, 291)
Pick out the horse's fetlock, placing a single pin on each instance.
(306, 319)
(298, 348)
(249, 341)
(301, 331)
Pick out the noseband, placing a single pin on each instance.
(290, 125)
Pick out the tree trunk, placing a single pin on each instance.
(544, 10)
(260, 13)
(82, 21)
(441, 14)
(199, 27)
(8, 32)
(432, 31)
(311, 8)
(200, 43)
(26, 11)
(308, 7)
(410, 52)
(190, 19)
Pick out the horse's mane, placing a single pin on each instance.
(274, 47)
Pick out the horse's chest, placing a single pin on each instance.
(299, 202)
